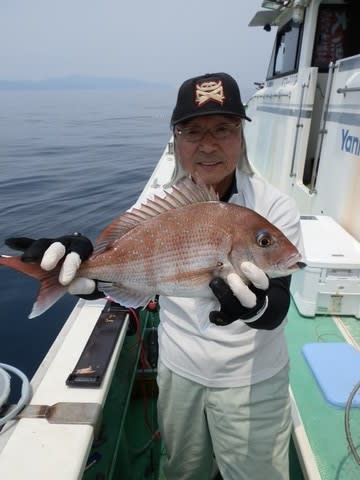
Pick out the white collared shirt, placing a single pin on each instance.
(232, 355)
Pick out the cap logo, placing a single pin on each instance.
(207, 91)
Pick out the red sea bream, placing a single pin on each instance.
(173, 245)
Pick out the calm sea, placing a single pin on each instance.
(69, 161)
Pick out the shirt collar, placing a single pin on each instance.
(230, 191)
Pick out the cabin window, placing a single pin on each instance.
(336, 34)
(285, 55)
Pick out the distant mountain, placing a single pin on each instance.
(76, 82)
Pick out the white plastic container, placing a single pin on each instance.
(330, 283)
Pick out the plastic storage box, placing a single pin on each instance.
(330, 283)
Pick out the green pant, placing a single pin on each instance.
(246, 429)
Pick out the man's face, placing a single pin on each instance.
(211, 155)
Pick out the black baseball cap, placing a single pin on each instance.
(209, 94)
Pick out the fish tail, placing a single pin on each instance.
(50, 289)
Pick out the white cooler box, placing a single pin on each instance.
(330, 283)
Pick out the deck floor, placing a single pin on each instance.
(138, 456)
(324, 423)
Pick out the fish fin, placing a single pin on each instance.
(117, 229)
(50, 289)
(185, 192)
(124, 296)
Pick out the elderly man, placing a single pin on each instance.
(223, 369)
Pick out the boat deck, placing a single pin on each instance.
(323, 423)
(319, 433)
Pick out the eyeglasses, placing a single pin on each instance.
(195, 134)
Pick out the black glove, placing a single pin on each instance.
(33, 250)
(231, 308)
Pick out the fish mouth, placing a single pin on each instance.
(292, 264)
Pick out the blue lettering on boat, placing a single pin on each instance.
(350, 143)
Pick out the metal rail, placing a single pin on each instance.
(346, 90)
(298, 126)
(322, 130)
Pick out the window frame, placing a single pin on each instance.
(290, 25)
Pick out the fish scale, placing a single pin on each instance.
(190, 257)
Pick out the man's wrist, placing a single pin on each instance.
(258, 313)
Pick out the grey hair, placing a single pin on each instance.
(243, 164)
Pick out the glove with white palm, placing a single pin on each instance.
(49, 251)
(240, 300)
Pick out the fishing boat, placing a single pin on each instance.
(89, 412)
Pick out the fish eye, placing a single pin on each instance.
(263, 239)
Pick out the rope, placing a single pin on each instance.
(347, 424)
(25, 392)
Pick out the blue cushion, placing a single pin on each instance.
(336, 367)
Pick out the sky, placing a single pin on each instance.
(160, 41)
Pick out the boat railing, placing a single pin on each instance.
(346, 90)
(299, 125)
(322, 130)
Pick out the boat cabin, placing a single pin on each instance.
(305, 133)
